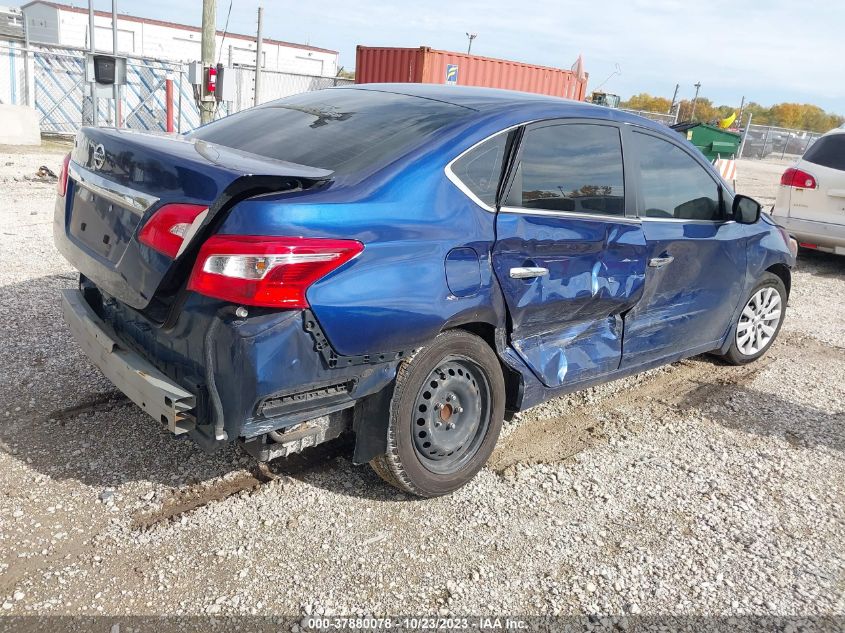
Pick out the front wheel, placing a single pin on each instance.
(759, 321)
(445, 416)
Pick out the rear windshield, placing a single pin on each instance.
(828, 151)
(344, 130)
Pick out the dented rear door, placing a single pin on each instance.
(570, 253)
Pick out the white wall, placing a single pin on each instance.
(70, 28)
(43, 23)
(12, 86)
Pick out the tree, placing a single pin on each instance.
(802, 116)
(647, 103)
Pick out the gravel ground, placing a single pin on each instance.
(695, 489)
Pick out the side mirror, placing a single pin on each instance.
(746, 210)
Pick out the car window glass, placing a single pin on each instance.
(573, 167)
(828, 151)
(673, 184)
(342, 129)
(481, 167)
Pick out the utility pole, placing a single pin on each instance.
(116, 86)
(694, 99)
(209, 35)
(95, 116)
(471, 36)
(674, 99)
(258, 53)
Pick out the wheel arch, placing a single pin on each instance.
(784, 273)
(496, 338)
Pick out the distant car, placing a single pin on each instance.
(411, 263)
(811, 198)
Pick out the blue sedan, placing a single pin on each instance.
(407, 263)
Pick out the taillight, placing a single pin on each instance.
(267, 271)
(794, 177)
(166, 230)
(61, 183)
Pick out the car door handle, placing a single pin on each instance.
(528, 272)
(660, 262)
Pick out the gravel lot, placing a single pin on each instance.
(695, 489)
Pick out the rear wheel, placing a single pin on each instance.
(445, 416)
(759, 322)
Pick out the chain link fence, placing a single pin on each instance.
(275, 85)
(63, 101)
(666, 119)
(766, 141)
(761, 141)
(61, 95)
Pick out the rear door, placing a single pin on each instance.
(825, 161)
(570, 253)
(696, 254)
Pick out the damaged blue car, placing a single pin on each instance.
(407, 263)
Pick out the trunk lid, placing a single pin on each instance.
(119, 178)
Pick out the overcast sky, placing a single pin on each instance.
(769, 50)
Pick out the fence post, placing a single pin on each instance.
(745, 134)
(168, 99)
(28, 80)
(765, 142)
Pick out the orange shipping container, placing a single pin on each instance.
(425, 65)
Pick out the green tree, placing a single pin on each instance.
(803, 116)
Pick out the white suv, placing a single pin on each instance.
(811, 198)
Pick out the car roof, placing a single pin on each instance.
(495, 100)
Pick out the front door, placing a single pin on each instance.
(569, 255)
(696, 256)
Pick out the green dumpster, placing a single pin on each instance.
(712, 141)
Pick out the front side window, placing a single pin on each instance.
(572, 167)
(481, 168)
(673, 184)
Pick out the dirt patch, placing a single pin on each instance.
(105, 402)
(188, 499)
(688, 384)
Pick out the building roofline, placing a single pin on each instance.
(175, 25)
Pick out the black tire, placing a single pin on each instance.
(429, 473)
(735, 355)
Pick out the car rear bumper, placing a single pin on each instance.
(214, 375)
(824, 236)
(137, 378)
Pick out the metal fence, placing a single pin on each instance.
(275, 85)
(62, 96)
(666, 119)
(53, 81)
(766, 141)
(761, 141)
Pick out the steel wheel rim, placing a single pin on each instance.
(451, 415)
(759, 321)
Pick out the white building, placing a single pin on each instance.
(65, 25)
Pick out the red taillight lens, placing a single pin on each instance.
(264, 271)
(61, 183)
(166, 230)
(793, 177)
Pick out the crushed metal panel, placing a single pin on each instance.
(142, 383)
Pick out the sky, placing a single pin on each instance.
(770, 51)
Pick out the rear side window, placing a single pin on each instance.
(573, 167)
(828, 151)
(481, 168)
(345, 130)
(673, 184)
